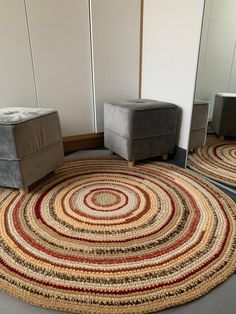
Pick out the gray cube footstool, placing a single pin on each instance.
(140, 129)
(30, 145)
(199, 123)
(224, 115)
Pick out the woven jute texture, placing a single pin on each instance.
(216, 160)
(99, 237)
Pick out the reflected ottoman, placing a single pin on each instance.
(140, 129)
(199, 124)
(30, 145)
(224, 115)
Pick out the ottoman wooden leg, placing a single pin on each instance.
(24, 191)
(164, 157)
(130, 163)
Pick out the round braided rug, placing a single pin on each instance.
(216, 160)
(99, 237)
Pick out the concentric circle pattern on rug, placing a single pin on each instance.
(99, 237)
(216, 160)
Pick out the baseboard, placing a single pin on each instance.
(83, 141)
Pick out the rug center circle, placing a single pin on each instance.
(105, 199)
(102, 202)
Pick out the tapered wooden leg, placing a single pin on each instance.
(24, 191)
(164, 157)
(221, 138)
(130, 163)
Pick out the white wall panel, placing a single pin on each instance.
(203, 47)
(170, 53)
(59, 31)
(232, 79)
(116, 39)
(16, 72)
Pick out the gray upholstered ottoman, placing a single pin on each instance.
(199, 123)
(30, 145)
(224, 115)
(140, 129)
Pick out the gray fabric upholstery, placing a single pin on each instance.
(199, 123)
(139, 129)
(224, 115)
(30, 145)
(14, 115)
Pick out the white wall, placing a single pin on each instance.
(170, 51)
(217, 65)
(46, 57)
(58, 73)
(232, 79)
(60, 39)
(116, 39)
(16, 72)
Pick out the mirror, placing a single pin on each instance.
(217, 59)
(212, 145)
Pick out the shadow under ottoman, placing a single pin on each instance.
(30, 145)
(140, 129)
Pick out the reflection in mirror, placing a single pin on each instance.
(212, 145)
(217, 60)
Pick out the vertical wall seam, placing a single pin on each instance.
(31, 53)
(207, 37)
(94, 108)
(231, 68)
(141, 48)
